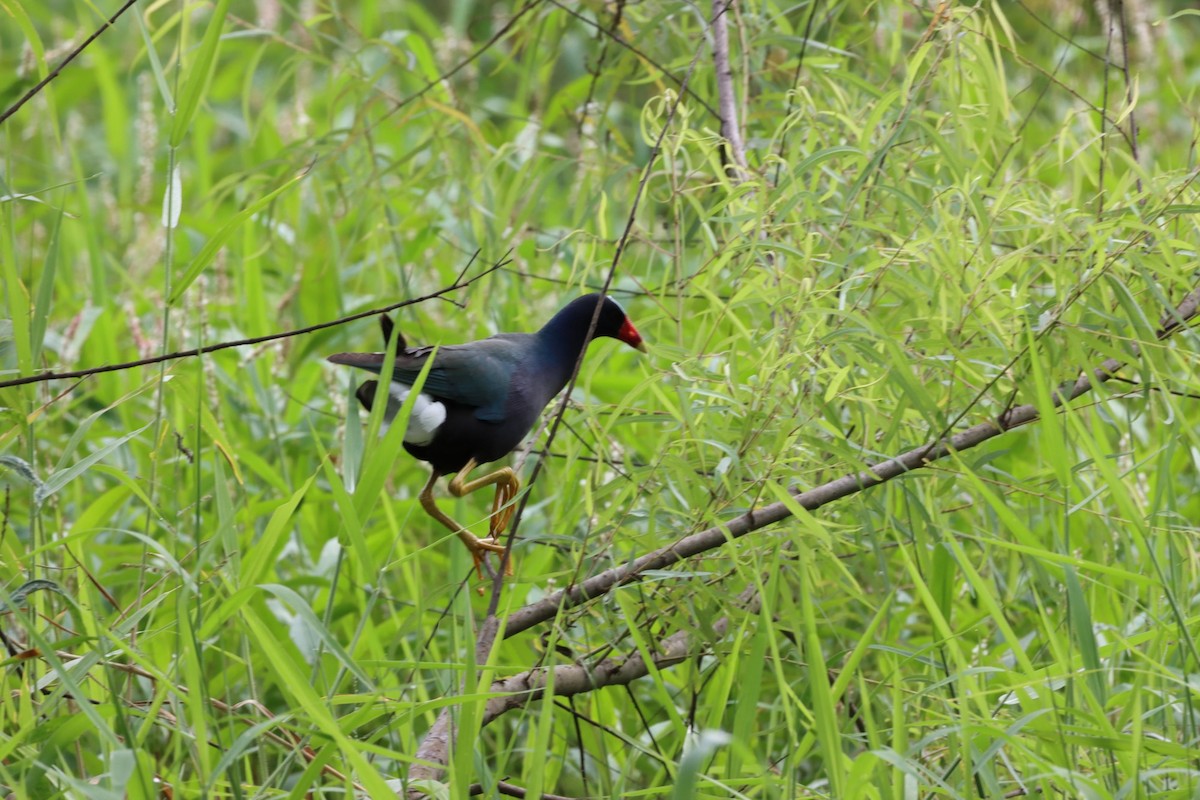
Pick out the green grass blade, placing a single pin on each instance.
(200, 73)
(222, 236)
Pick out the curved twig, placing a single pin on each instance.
(54, 73)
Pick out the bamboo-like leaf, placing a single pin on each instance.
(829, 735)
(62, 477)
(298, 688)
(172, 203)
(45, 292)
(299, 606)
(266, 549)
(199, 73)
(218, 240)
(1081, 626)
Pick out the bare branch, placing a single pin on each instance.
(642, 56)
(500, 33)
(726, 100)
(573, 679)
(506, 789)
(212, 348)
(549, 607)
(54, 73)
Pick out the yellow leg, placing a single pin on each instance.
(507, 484)
(479, 547)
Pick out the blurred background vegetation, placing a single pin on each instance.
(952, 208)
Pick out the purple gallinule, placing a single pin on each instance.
(480, 399)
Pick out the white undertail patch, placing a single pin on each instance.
(427, 414)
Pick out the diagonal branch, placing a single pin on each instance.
(573, 679)
(459, 283)
(755, 519)
(642, 56)
(71, 56)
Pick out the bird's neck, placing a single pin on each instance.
(559, 344)
(558, 355)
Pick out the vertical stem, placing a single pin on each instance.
(727, 102)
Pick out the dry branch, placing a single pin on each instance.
(525, 618)
(572, 679)
(506, 789)
(577, 679)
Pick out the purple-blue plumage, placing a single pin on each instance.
(492, 390)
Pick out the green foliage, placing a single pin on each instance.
(949, 213)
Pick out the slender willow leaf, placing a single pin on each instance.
(45, 293)
(200, 73)
(64, 476)
(214, 245)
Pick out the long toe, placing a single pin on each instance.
(502, 509)
(489, 545)
(492, 545)
(498, 524)
(479, 552)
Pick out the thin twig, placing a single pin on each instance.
(683, 87)
(212, 348)
(54, 73)
(445, 76)
(783, 139)
(572, 679)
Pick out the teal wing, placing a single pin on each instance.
(477, 374)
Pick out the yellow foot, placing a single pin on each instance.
(503, 509)
(506, 483)
(481, 547)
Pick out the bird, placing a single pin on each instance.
(481, 399)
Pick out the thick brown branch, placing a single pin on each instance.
(575, 679)
(572, 679)
(511, 790)
(535, 613)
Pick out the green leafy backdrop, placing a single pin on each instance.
(950, 210)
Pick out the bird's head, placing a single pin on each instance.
(613, 322)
